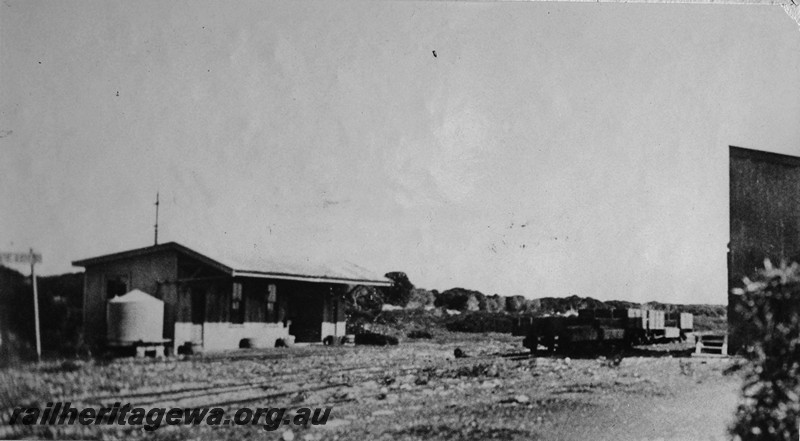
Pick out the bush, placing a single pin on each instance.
(481, 322)
(409, 319)
(771, 392)
(421, 298)
(710, 323)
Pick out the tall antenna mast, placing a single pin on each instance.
(156, 225)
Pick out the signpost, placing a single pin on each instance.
(33, 259)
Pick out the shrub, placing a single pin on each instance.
(421, 298)
(481, 322)
(409, 319)
(771, 392)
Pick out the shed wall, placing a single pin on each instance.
(147, 273)
(764, 221)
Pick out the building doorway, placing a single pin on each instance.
(305, 312)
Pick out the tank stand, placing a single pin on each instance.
(155, 350)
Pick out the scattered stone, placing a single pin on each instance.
(420, 333)
(522, 399)
(491, 384)
(341, 395)
(288, 435)
(300, 397)
(389, 398)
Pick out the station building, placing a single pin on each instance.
(217, 303)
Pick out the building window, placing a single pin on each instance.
(237, 304)
(271, 311)
(116, 286)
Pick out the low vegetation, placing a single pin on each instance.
(60, 303)
(417, 310)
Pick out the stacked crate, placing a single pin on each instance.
(637, 318)
(672, 319)
(655, 320)
(686, 321)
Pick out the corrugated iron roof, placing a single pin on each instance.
(255, 264)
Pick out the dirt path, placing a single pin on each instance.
(697, 407)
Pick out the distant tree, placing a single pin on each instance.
(474, 303)
(515, 304)
(495, 303)
(400, 292)
(460, 299)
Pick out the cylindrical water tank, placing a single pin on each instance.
(133, 317)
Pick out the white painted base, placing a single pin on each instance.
(224, 336)
(335, 330)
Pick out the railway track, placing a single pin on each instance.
(285, 383)
(292, 385)
(319, 376)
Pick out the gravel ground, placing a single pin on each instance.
(416, 390)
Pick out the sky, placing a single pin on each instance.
(536, 149)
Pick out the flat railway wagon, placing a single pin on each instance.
(602, 329)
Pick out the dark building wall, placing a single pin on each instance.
(216, 295)
(764, 221)
(151, 273)
(256, 297)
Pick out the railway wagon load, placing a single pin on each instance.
(597, 328)
(678, 324)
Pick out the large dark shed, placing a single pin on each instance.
(218, 302)
(764, 221)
